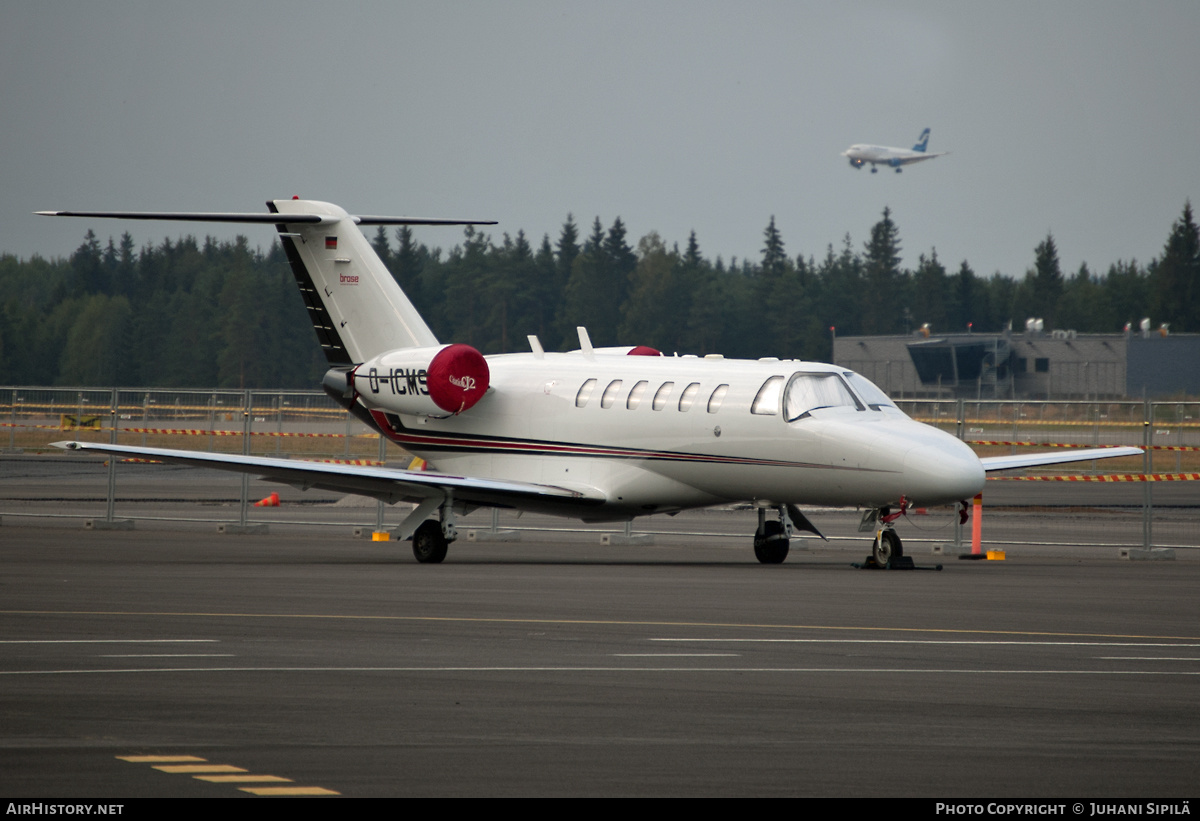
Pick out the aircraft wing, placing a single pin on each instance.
(991, 463)
(386, 484)
(922, 156)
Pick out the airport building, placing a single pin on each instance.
(1029, 365)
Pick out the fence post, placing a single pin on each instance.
(1147, 485)
(112, 459)
(12, 431)
(246, 413)
(1015, 410)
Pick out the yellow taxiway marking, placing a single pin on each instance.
(224, 774)
(201, 768)
(624, 622)
(288, 791)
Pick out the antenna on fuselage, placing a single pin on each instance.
(535, 345)
(585, 341)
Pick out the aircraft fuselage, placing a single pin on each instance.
(657, 434)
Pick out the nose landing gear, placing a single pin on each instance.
(887, 551)
(887, 547)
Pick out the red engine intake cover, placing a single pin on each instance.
(458, 378)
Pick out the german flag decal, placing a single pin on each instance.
(330, 243)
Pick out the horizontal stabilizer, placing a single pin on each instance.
(268, 219)
(991, 463)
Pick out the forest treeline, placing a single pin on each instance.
(185, 313)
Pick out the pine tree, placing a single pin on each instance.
(567, 248)
(88, 266)
(932, 294)
(652, 315)
(596, 290)
(381, 246)
(882, 306)
(968, 306)
(775, 260)
(1175, 281)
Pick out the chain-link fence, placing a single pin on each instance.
(1149, 500)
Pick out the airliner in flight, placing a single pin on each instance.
(860, 154)
(597, 434)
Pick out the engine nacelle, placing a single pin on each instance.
(439, 381)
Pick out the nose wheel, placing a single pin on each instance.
(887, 547)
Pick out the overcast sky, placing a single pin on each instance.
(1076, 118)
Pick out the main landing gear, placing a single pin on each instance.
(772, 539)
(432, 537)
(429, 543)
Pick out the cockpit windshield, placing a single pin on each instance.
(869, 391)
(807, 392)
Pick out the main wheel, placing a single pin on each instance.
(771, 546)
(888, 547)
(429, 543)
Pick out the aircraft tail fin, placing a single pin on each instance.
(922, 141)
(356, 308)
(354, 303)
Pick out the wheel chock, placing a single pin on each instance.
(898, 563)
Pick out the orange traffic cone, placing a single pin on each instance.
(270, 501)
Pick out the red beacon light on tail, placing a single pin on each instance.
(439, 381)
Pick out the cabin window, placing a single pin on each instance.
(718, 396)
(868, 391)
(688, 396)
(766, 403)
(585, 392)
(610, 394)
(635, 395)
(806, 392)
(663, 394)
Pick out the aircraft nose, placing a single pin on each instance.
(941, 472)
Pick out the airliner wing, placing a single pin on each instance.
(991, 463)
(386, 484)
(922, 156)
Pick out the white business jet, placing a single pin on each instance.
(860, 154)
(597, 434)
